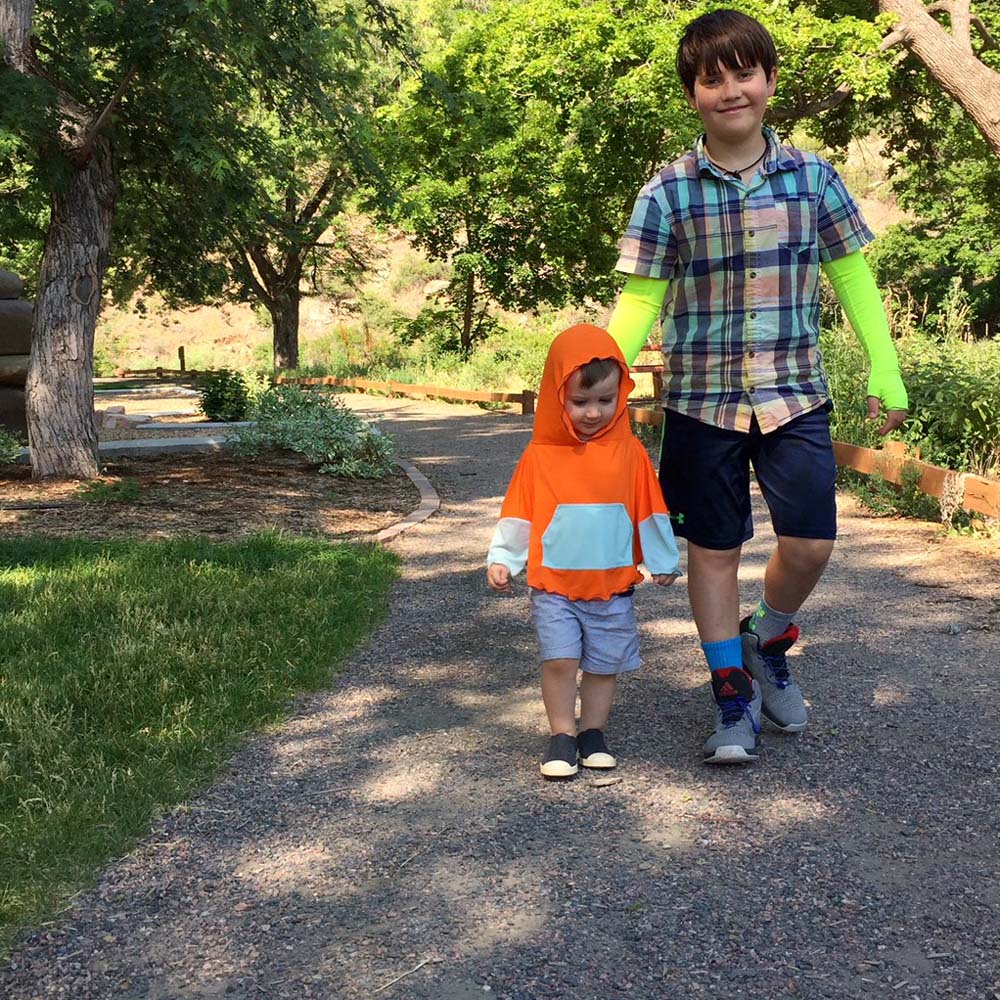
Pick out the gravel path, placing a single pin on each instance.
(396, 831)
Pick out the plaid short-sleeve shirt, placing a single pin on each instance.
(741, 316)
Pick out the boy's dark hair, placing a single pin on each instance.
(597, 370)
(724, 37)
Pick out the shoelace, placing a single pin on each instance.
(732, 710)
(777, 665)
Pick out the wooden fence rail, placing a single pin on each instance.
(962, 489)
(525, 399)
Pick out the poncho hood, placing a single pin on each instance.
(570, 350)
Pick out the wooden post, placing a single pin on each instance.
(527, 402)
(180, 357)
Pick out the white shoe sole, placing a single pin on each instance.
(795, 727)
(731, 755)
(557, 769)
(599, 761)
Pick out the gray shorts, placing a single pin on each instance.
(602, 635)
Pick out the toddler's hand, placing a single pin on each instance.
(665, 579)
(498, 577)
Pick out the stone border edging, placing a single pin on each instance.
(429, 503)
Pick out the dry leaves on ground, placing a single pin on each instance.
(215, 495)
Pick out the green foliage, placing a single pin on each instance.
(521, 146)
(124, 490)
(224, 395)
(954, 390)
(885, 499)
(132, 670)
(318, 425)
(951, 277)
(948, 177)
(10, 446)
(240, 138)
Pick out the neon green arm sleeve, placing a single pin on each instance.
(857, 292)
(636, 311)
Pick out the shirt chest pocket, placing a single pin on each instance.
(796, 224)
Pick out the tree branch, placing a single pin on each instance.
(841, 94)
(86, 146)
(244, 263)
(312, 206)
(988, 39)
(835, 99)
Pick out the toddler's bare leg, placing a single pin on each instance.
(714, 592)
(559, 694)
(597, 692)
(794, 570)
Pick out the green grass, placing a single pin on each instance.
(130, 670)
(109, 491)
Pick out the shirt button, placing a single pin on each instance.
(751, 389)
(753, 315)
(750, 232)
(753, 274)
(752, 354)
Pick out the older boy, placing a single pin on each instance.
(582, 510)
(727, 243)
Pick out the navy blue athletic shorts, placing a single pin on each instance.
(705, 476)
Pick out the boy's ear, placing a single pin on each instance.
(692, 103)
(772, 82)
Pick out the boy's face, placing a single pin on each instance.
(731, 102)
(590, 410)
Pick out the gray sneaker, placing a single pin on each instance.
(736, 739)
(784, 706)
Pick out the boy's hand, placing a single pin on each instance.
(893, 418)
(664, 579)
(498, 577)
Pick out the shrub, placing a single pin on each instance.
(318, 425)
(229, 395)
(224, 395)
(10, 446)
(954, 390)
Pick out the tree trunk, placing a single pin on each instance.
(470, 298)
(955, 67)
(285, 319)
(60, 388)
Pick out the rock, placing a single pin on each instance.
(12, 415)
(14, 369)
(11, 286)
(15, 326)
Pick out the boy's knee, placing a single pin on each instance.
(714, 560)
(806, 554)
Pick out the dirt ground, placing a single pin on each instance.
(212, 495)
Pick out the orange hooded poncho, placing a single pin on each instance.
(582, 515)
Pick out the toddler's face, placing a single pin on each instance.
(590, 410)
